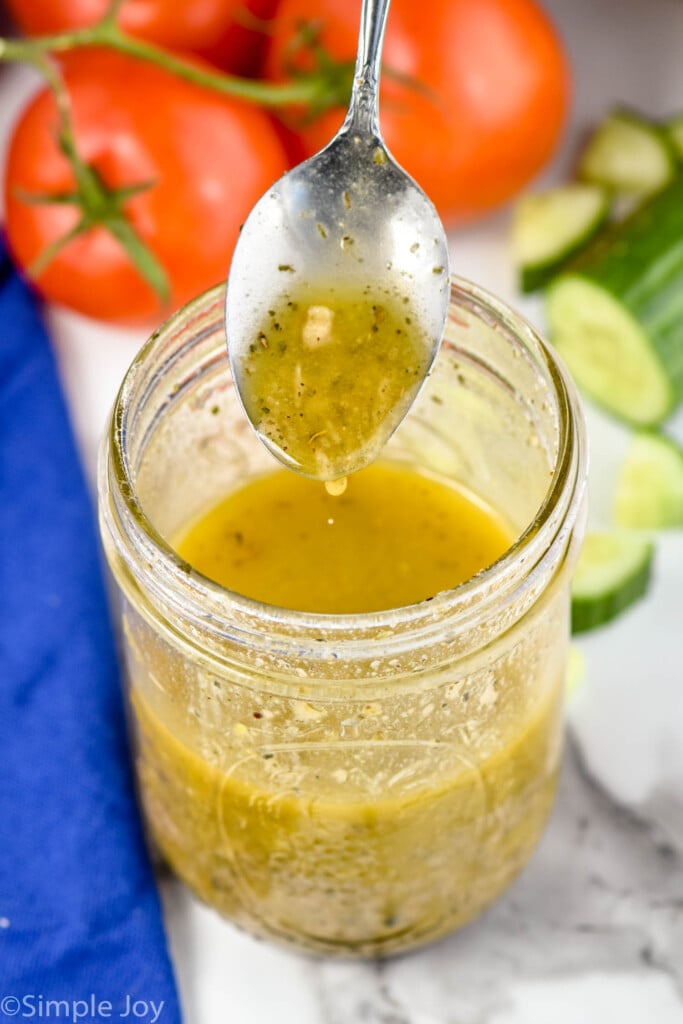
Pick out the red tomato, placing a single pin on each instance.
(208, 157)
(491, 100)
(226, 32)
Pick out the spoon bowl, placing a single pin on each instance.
(346, 227)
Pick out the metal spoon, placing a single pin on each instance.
(350, 222)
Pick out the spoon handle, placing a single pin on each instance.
(362, 114)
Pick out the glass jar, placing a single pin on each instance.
(355, 784)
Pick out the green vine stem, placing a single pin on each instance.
(326, 87)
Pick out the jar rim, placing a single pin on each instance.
(215, 608)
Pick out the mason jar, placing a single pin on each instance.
(350, 784)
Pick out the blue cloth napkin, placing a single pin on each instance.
(79, 913)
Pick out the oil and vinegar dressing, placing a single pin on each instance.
(393, 538)
(331, 373)
(295, 818)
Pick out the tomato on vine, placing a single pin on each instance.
(171, 170)
(474, 95)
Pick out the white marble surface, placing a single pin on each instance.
(593, 929)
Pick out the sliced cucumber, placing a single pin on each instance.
(650, 487)
(675, 132)
(613, 572)
(616, 314)
(548, 228)
(629, 154)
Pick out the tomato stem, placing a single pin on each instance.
(111, 13)
(321, 89)
(98, 204)
(140, 255)
(40, 263)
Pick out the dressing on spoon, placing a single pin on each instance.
(338, 293)
(331, 371)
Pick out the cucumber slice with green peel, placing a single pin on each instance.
(628, 153)
(675, 132)
(608, 352)
(616, 314)
(649, 492)
(550, 227)
(613, 572)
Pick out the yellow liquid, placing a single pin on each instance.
(366, 824)
(393, 538)
(330, 374)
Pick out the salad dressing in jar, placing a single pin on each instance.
(349, 769)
